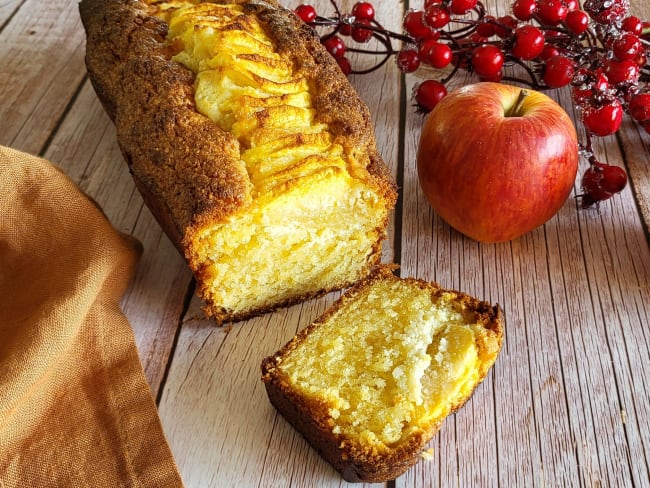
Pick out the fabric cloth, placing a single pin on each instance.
(75, 407)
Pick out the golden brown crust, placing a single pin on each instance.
(311, 418)
(187, 165)
(183, 158)
(353, 465)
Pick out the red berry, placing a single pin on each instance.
(580, 96)
(475, 38)
(601, 82)
(614, 179)
(408, 60)
(603, 120)
(363, 10)
(558, 71)
(626, 71)
(306, 13)
(423, 49)
(627, 46)
(524, 9)
(505, 26)
(548, 52)
(600, 182)
(433, 35)
(431, 3)
(639, 107)
(487, 60)
(632, 24)
(344, 64)
(486, 28)
(428, 94)
(577, 21)
(552, 12)
(552, 34)
(345, 28)
(529, 42)
(436, 17)
(415, 26)
(359, 32)
(592, 192)
(335, 46)
(439, 55)
(461, 7)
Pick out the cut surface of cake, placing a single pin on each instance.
(247, 142)
(370, 382)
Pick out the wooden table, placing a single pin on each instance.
(568, 401)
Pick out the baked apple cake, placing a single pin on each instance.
(247, 142)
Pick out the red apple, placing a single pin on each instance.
(496, 161)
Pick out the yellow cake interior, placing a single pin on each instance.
(389, 363)
(313, 221)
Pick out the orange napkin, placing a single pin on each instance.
(75, 408)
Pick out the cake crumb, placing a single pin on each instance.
(623, 416)
(427, 455)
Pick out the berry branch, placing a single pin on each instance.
(599, 50)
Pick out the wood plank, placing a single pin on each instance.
(42, 69)
(552, 419)
(239, 439)
(85, 147)
(635, 143)
(617, 260)
(432, 251)
(7, 9)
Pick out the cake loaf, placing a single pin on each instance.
(370, 382)
(248, 144)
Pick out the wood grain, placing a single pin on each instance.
(35, 90)
(635, 144)
(7, 9)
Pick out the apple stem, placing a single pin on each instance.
(514, 111)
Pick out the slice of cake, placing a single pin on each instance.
(369, 383)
